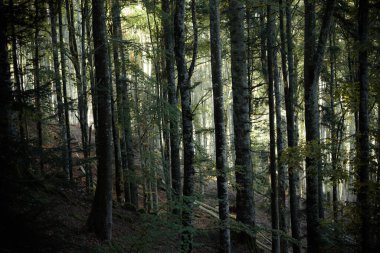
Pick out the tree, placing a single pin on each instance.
(64, 87)
(290, 127)
(58, 89)
(366, 242)
(220, 134)
(81, 79)
(242, 126)
(273, 80)
(313, 57)
(184, 76)
(37, 86)
(5, 101)
(118, 115)
(100, 218)
(172, 99)
(283, 224)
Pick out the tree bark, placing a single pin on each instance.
(37, 88)
(272, 81)
(242, 126)
(16, 74)
(64, 84)
(172, 98)
(7, 169)
(366, 242)
(118, 112)
(291, 130)
(283, 224)
(80, 78)
(100, 219)
(187, 125)
(312, 65)
(53, 7)
(220, 132)
(85, 137)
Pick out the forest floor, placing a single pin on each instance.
(49, 215)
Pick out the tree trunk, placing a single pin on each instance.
(16, 74)
(220, 132)
(366, 242)
(291, 130)
(187, 125)
(53, 7)
(172, 98)
(312, 130)
(100, 219)
(64, 85)
(272, 81)
(5, 104)
(80, 79)
(312, 66)
(86, 140)
(117, 112)
(283, 224)
(242, 126)
(36, 72)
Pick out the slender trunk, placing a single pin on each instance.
(172, 98)
(86, 141)
(100, 218)
(283, 224)
(81, 79)
(5, 103)
(220, 132)
(272, 81)
(333, 128)
(91, 68)
(366, 242)
(242, 126)
(64, 85)
(58, 89)
(16, 73)
(36, 72)
(117, 113)
(116, 146)
(312, 131)
(312, 66)
(187, 125)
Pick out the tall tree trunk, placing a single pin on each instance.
(312, 65)
(130, 183)
(16, 73)
(91, 68)
(119, 142)
(333, 127)
(291, 130)
(5, 104)
(220, 132)
(312, 130)
(64, 86)
(172, 98)
(242, 126)
(366, 242)
(80, 78)
(283, 224)
(85, 138)
(36, 72)
(53, 7)
(100, 219)
(187, 125)
(272, 81)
